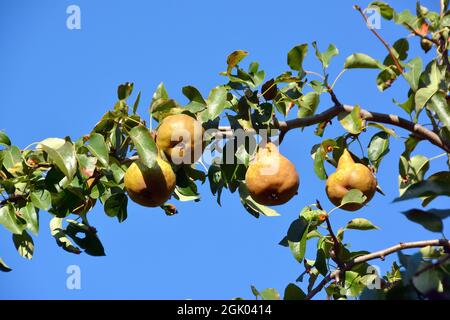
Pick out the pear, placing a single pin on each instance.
(150, 187)
(180, 137)
(350, 175)
(271, 178)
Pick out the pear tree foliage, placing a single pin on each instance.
(67, 177)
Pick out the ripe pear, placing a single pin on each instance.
(350, 175)
(271, 178)
(150, 187)
(180, 137)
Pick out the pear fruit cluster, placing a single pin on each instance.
(179, 138)
(271, 178)
(350, 175)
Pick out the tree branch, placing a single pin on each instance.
(381, 254)
(394, 120)
(388, 47)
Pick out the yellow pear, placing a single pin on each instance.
(350, 175)
(150, 187)
(271, 178)
(180, 137)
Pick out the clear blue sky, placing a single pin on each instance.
(56, 82)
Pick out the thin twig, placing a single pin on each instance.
(381, 254)
(388, 47)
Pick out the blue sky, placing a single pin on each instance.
(56, 82)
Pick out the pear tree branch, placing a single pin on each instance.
(381, 254)
(332, 112)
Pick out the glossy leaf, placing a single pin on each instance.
(217, 101)
(4, 139)
(124, 90)
(234, 58)
(98, 148)
(308, 104)
(353, 196)
(270, 294)
(361, 60)
(62, 154)
(31, 217)
(116, 206)
(430, 220)
(24, 244)
(252, 206)
(59, 234)
(293, 292)
(378, 147)
(385, 10)
(351, 121)
(436, 185)
(361, 224)
(296, 56)
(145, 145)
(9, 220)
(4, 267)
(41, 199)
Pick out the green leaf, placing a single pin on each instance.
(4, 139)
(308, 104)
(59, 234)
(255, 291)
(98, 148)
(382, 127)
(413, 75)
(319, 168)
(296, 56)
(353, 196)
(136, 103)
(90, 242)
(116, 206)
(428, 281)
(160, 93)
(234, 58)
(41, 199)
(401, 47)
(430, 220)
(217, 101)
(325, 57)
(438, 104)
(62, 154)
(361, 224)
(378, 147)
(361, 60)
(352, 284)
(351, 121)
(24, 244)
(12, 160)
(4, 267)
(297, 238)
(196, 101)
(252, 206)
(386, 78)
(433, 76)
(436, 185)
(321, 257)
(9, 220)
(270, 294)
(30, 215)
(385, 10)
(293, 292)
(124, 90)
(145, 145)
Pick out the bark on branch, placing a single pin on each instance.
(391, 119)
